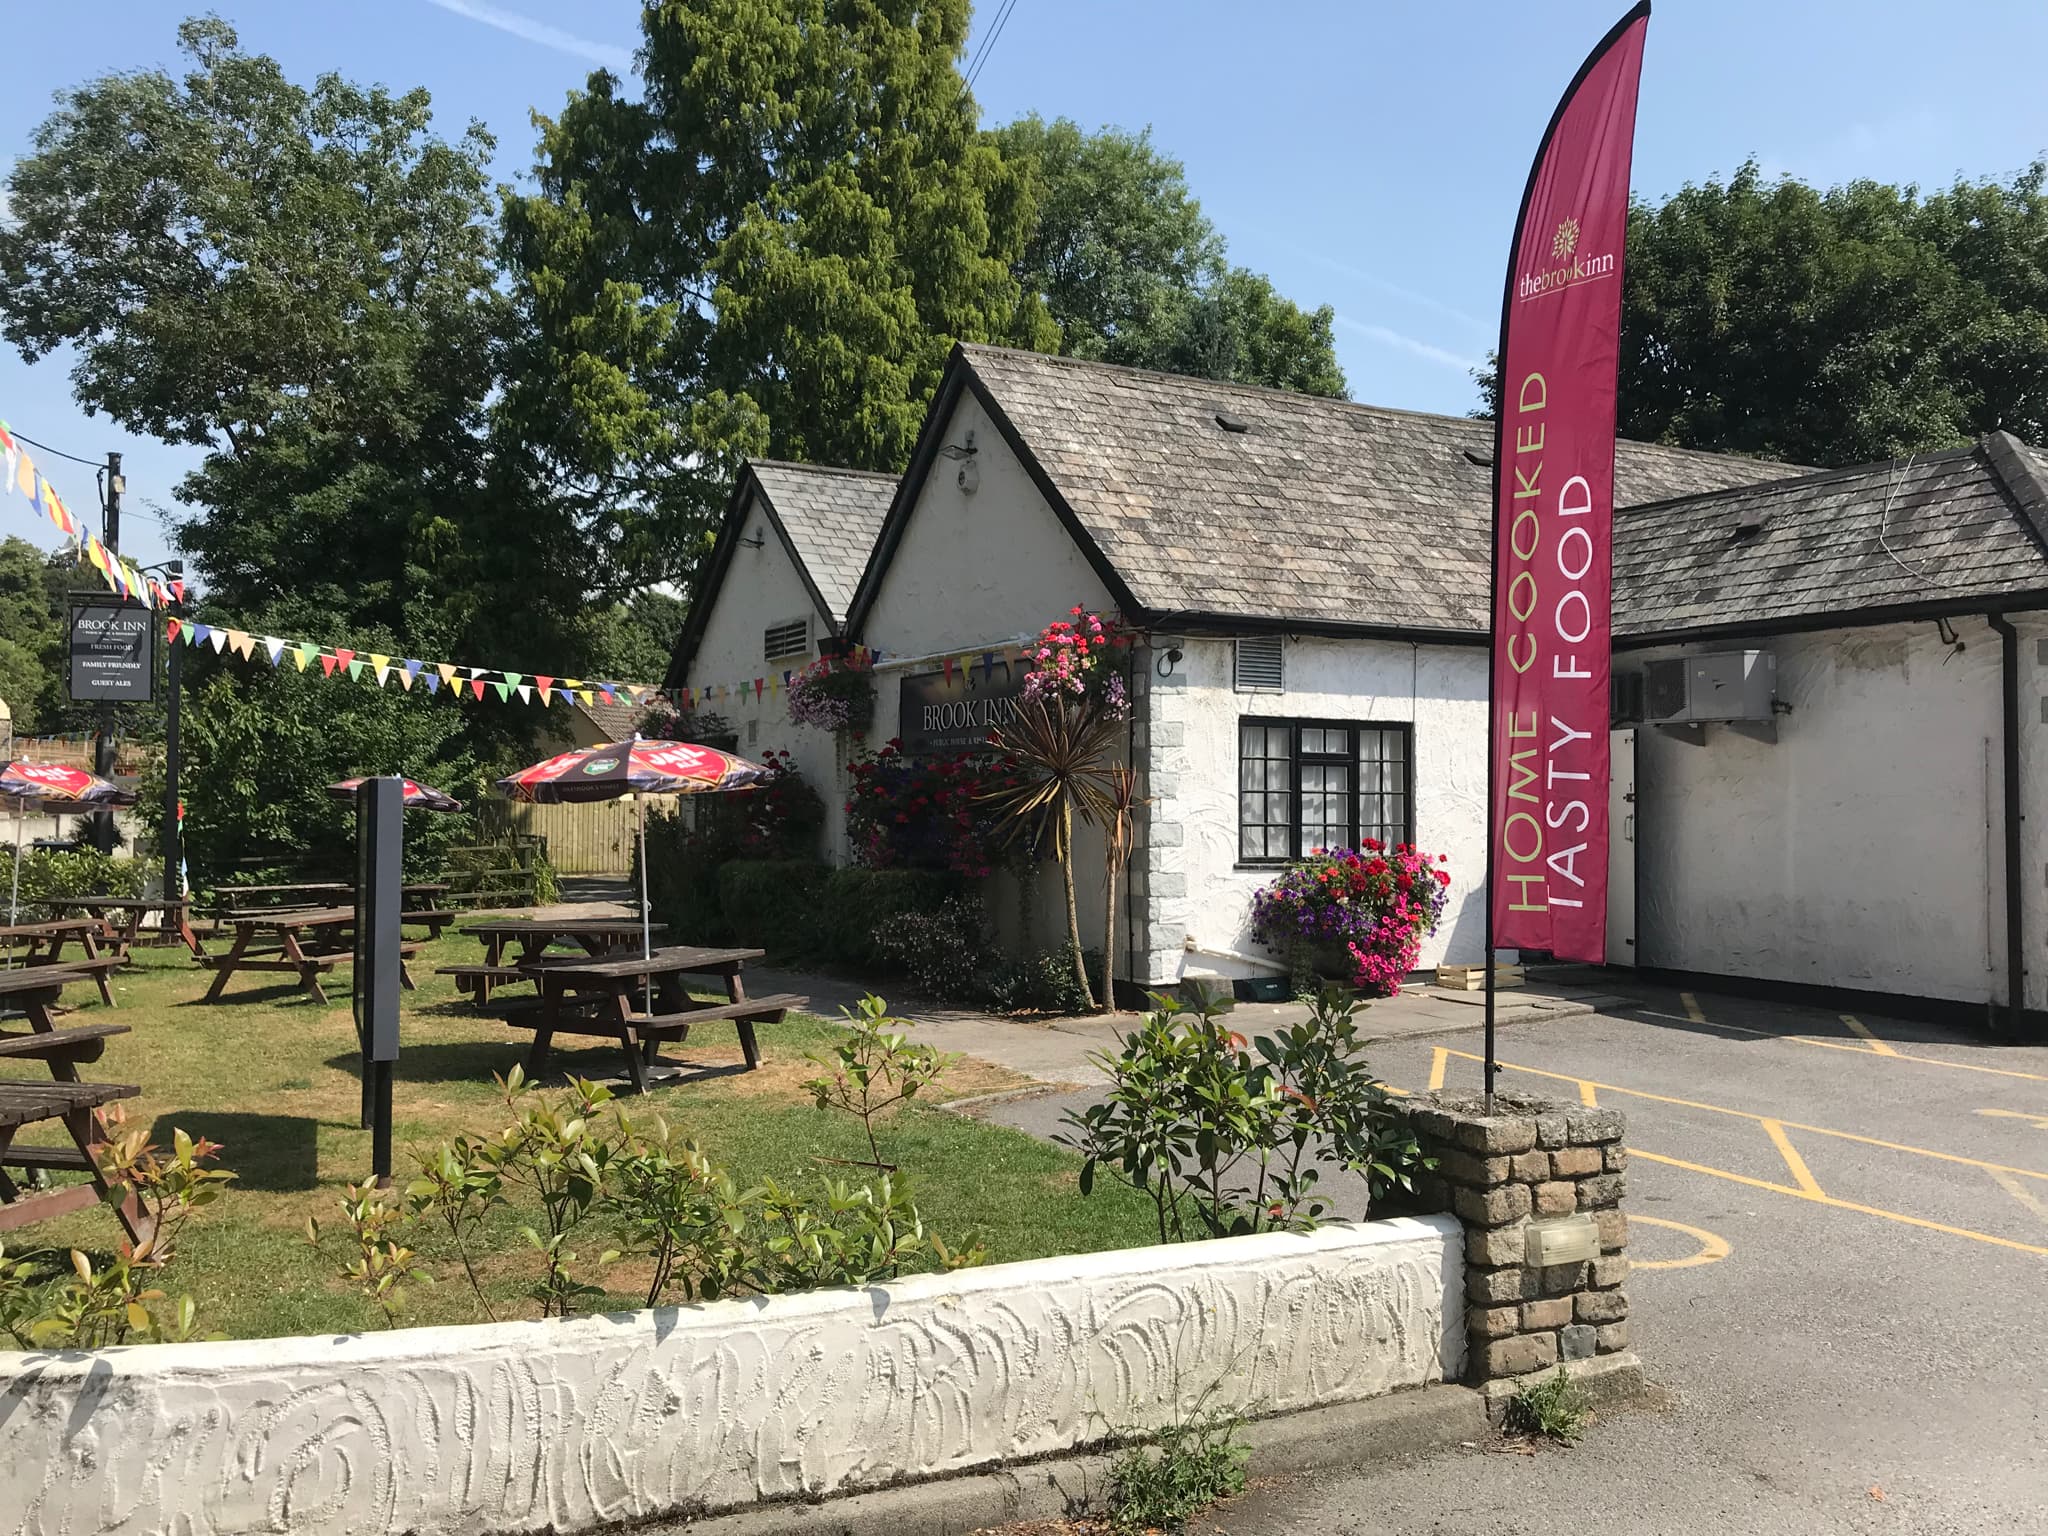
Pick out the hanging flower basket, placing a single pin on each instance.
(833, 695)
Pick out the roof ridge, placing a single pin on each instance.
(1804, 478)
(1478, 423)
(824, 469)
(2022, 480)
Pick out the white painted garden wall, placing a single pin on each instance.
(568, 1426)
(1440, 690)
(1865, 848)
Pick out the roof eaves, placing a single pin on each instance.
(2023, 482)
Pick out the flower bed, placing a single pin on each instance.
(1376, 902)
(925, 813)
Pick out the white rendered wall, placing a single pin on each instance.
(763, 587)
(570, 1426)
(1863, 849)
(977, 572)
(1204, 892)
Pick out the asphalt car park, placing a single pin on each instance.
(1839, 1282)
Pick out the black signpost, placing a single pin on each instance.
(957, 711)
(380, 849)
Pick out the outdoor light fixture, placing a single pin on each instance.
(1167, 662)
(957, 451)
(1565, 1240)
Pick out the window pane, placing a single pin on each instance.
(1265, 803)
(1383, 785)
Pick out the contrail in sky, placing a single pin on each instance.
(616, 59)
(1423, 349)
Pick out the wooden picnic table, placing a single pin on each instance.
(592, 936)
(596, 996)
(45, 947)
(64, 1099)
(306, 943)
(122, 917)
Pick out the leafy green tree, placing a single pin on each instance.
(771, 251)
(301, 280)
(31, 636)
(1129, 269)
(1835, 327)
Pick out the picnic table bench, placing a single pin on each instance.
(598, 996)
(121, 917)
(534, 936)
(64, 1099)
(45, 946)
(307, 944)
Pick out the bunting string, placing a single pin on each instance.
(120, 577)
(502, 685)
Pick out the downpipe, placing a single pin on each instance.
(2013, 1025)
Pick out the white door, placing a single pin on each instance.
(1621, 848)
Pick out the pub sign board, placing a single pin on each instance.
(113, 653)
(957, 712)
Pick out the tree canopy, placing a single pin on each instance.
(1834, 327)
(1128, 268)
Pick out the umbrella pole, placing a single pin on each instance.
(14, 891)
(646, 924)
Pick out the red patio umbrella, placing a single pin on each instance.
(423, 797)
(54, 787)
(637, 767)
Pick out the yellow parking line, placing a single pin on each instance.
(1713, 1248)
(2039, 1122)
(1586, 1095)
(2021, 1193)
(1801, 1174)
(1858, 1027)
(1438, 1062)
(1743, 1114)
(1855, 1050)
(1692, 1008)
(1835, 1204)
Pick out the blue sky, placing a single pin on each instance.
(1367, 156)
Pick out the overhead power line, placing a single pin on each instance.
(994, 35)
(59, 452)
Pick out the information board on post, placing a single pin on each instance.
(112, 652)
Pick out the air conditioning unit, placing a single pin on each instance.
(1729, 687)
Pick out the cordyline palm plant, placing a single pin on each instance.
(1060, 756)
(1119, 836)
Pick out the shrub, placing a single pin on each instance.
(1045, 982)
(925, 813)
(1229, 1135)
(53, 875)
(859, 902)
(1190, 1464)
(944, 951)
(772, 903)
(780, 819)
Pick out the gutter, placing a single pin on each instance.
(2015, 925)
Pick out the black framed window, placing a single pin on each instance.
(1309, 784)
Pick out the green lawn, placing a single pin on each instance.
(273, 1077)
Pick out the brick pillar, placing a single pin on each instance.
(1532, 1161)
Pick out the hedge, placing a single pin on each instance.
(854, 901)
(50, 874)
(773, 903)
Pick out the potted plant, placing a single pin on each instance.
(1359, 914)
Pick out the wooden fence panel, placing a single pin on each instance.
(595, 838)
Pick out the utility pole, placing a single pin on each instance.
(103, 748)
(173, 838)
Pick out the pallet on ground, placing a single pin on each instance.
(1472, 978)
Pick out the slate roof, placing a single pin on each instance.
(1960, 527)
(1320, 512)
(832, 517)
(618, 720)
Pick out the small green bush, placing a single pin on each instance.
(944, 952)
(772, 903)
(1043, 982)
(858, 902)
(54, 875)
(1189, 1466)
